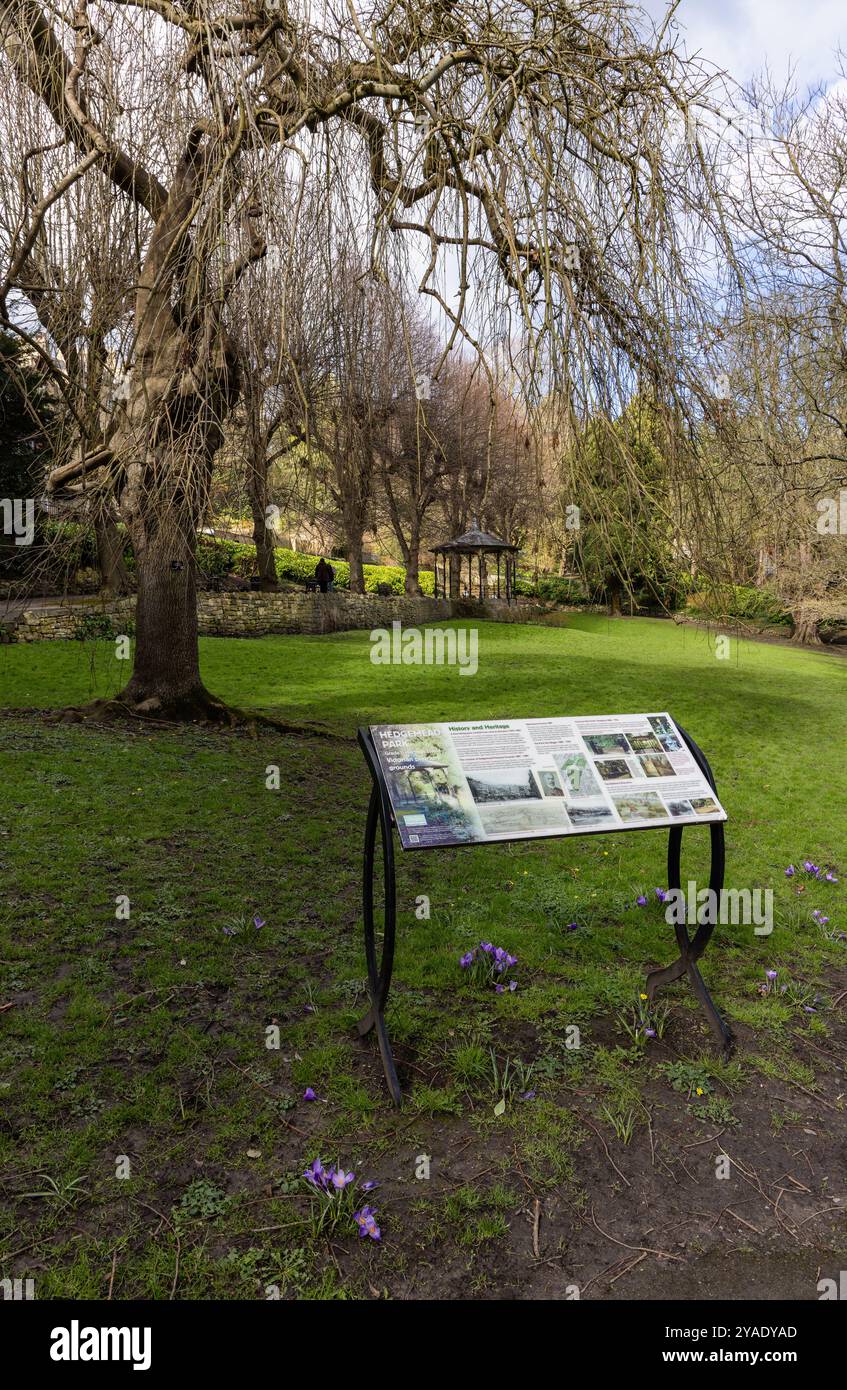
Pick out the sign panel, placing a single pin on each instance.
(519, 779)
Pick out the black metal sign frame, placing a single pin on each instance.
(380, 956)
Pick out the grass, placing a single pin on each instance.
(150, 1040)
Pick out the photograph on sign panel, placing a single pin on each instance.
(643, 806)
(603, 744)
(505, 784)
(614, 769)
(655, 765)
(549, 782)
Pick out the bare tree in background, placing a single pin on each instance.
(787, 349)
(521, 146)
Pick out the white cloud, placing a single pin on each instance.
(742, 36)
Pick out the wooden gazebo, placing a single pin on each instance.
(475, 545)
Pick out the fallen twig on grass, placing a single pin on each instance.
(748, 1224)
(644, 1249)
(627, 1268)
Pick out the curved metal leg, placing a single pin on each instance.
(690, 949)
(379, 955)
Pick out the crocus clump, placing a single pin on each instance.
(366, 1221)
(642, 899)
(820, 873)
(335, 1192)
(826, 875)
(487, 963)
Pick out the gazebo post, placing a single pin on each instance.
(498, 574)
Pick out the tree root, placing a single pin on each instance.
(200, 710)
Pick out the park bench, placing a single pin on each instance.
(460, 784)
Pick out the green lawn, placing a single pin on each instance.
(147, 1037)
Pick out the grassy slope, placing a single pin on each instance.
(114, 1045)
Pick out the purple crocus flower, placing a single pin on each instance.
(528, 1095)
(369, 1185)
(790, 871)
(830, 876)
(649, 1032)
(641, 901)
(229, 931)
(366, 1221)
(340, 1179)
(466, 960)
(309, 1094)
(498, 989)
(513, 984)
(258, 922)
(661, 894)
(316, 1174)
(810, 867)
(771, 974)
(572, 926)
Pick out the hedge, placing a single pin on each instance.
(217, 558)
(741, 601)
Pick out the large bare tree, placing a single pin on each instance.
(520, 145)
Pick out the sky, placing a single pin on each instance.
(742, 36)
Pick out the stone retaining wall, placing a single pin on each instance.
(257, 615)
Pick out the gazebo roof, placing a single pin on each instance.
(474, 540)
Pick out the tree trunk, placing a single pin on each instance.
(357, 571)
(413, 560)
(114, 575)
(805, 628)
(166, 677)
(615, 591)
(263, 537)
(263, 540)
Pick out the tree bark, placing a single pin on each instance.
(263, 538)
(357, 571)
(413, 560)
(805, 628)
(165, 682)
(114, 575)
(615, 591)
